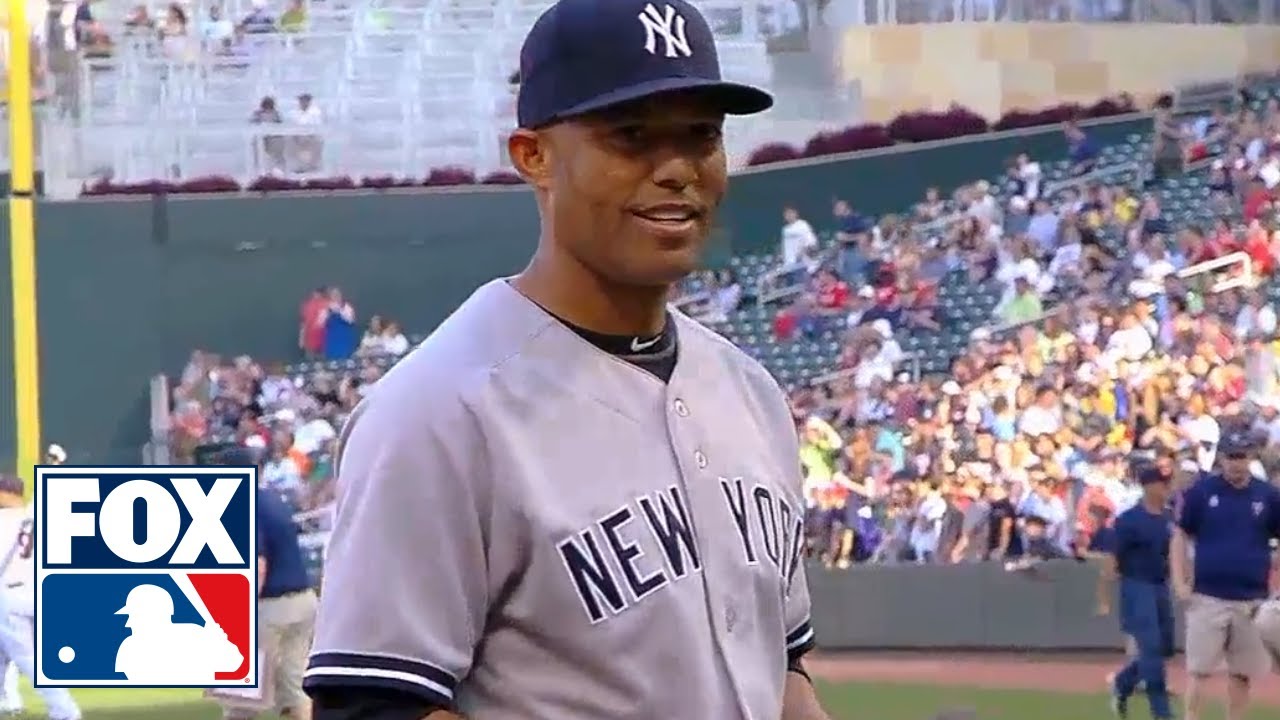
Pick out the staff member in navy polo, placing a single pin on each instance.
(1140, 558)
(1231, 518)
(286, 601)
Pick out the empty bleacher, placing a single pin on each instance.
(403, 86)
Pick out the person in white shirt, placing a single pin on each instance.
(799, 242)
(928, 525)
(1044, 416)
(313, 433)
(1257, 317)
(394, 343)
(1029, 175)
(1131, 341)
(1199, 428)
(1269, 172)
(306, 148)
(216, 27)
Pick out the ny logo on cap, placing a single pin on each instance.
(668, 25)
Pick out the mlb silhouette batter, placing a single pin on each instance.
(17, 597)
(571, 502)
(162, 652)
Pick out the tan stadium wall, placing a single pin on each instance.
(992, 68)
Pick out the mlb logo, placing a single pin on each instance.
(146, 577)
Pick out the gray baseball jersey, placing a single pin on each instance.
(528, 527)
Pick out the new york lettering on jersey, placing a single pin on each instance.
(768, 528)
(610, 521)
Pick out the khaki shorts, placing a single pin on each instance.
(285, 626)
(1268, 623)
(1221, 631)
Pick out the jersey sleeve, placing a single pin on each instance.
(406, 591)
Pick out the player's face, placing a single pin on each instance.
(632, 191)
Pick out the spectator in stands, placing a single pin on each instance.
(1027, 174)
(138, 22)
(294, 18)
(339, 320)
(1082, 152)
(1168, 150)
(799, 242)
(258, 19)
(272, 145)
(1256, 319)
(91, 35)
(175, 37)
(311, 321)
(1043, 226)
(307, 148)
(216, 27)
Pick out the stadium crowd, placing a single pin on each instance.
(1096, 352)
(1023, 449)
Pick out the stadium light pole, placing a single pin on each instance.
(22, 245)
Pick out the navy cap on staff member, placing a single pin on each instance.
(587, 55)
(1236, 442)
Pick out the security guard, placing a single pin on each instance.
(286, 601)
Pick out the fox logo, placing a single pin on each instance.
(145, 576)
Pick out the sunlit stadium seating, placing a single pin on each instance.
(403, 85)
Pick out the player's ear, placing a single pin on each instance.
(529, 151)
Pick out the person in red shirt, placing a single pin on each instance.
(1223, 241)
(830, 292)
(311, 323)
(1256, 199)
(1258, 246)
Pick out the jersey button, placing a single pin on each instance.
(681, 409)
(701, 459)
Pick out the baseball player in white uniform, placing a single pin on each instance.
(572, 503)
(17, 597)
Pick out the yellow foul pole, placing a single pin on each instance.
(22, 245)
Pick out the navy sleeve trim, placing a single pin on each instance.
(432, 684)
(800, 641)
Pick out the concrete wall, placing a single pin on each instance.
(996, 67)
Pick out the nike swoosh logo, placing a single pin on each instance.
(637, 345)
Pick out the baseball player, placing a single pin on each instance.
(571, 502)
(1231, 518)
(1140, 559)
(17, 597)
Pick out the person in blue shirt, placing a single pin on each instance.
(1139, 557)
(286, 600)
(1231, 518)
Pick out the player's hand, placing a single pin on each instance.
(1104, 608)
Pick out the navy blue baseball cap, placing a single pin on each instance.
(587, 55)
(1236, 442)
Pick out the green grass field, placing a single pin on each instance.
(848, 701)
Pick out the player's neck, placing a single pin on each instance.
(1153, 506)
(572, 292)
